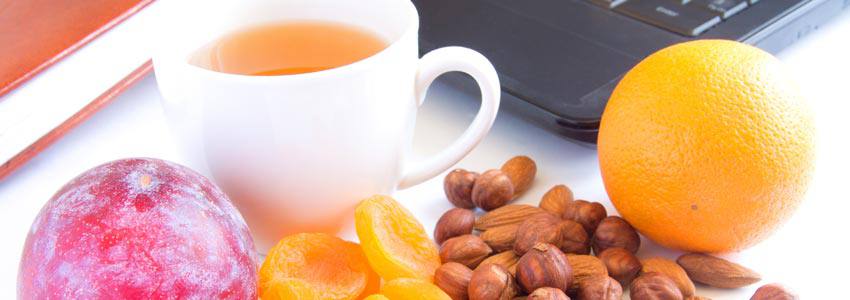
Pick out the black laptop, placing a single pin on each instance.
(559, 60)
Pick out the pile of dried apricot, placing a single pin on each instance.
(394, 248)
(316, 266)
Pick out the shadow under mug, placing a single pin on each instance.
(297, 152)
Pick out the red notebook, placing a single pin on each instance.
(36, 33)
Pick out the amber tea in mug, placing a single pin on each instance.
(287, 48)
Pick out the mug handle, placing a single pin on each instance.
(431, 66)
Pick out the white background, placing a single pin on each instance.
(808, 253)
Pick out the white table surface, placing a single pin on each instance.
(806, 254)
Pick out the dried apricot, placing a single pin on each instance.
(412, 289)
(394, 242)
(376, 297)
(289, 288)
(316, 266)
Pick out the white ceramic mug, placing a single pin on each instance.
(297, 152)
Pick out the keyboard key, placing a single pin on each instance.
(608, 3)
(723, 8)
(684, 19)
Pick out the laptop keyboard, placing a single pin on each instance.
(686, 17)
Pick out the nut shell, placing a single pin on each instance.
(540, 228)
(454, 222)
(453, 278)
(493, 189)
(600, 287)
(622, 265)
(612, 232)
(491, 282)
(468, 250)
(654, 286)
(458, 187)
(544, 265)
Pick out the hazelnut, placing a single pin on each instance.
(547, 293)
(654, 286)
(492, 190)
(507, 260)
(613, 231)
(573, 238)
(491, 282)
(468, 250)
(588, 214)
(458, 187)
(501, 238)
(556, 199)
(454, 222)
(600, 287)
(539, 228)
(774, 291)
(453, 278)
(544, 265)
(622, 265)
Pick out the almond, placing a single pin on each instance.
(521, 170)
(500, 238)
(717, 272)
(556, 199)
(672, 270)
(506, 215)
(774, 291)
(584, 267)
(507, 260)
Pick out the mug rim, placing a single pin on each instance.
(412, 28)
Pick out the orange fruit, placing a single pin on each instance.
(412, 289)
(706, 146)
(394, 241)
(316, 266)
